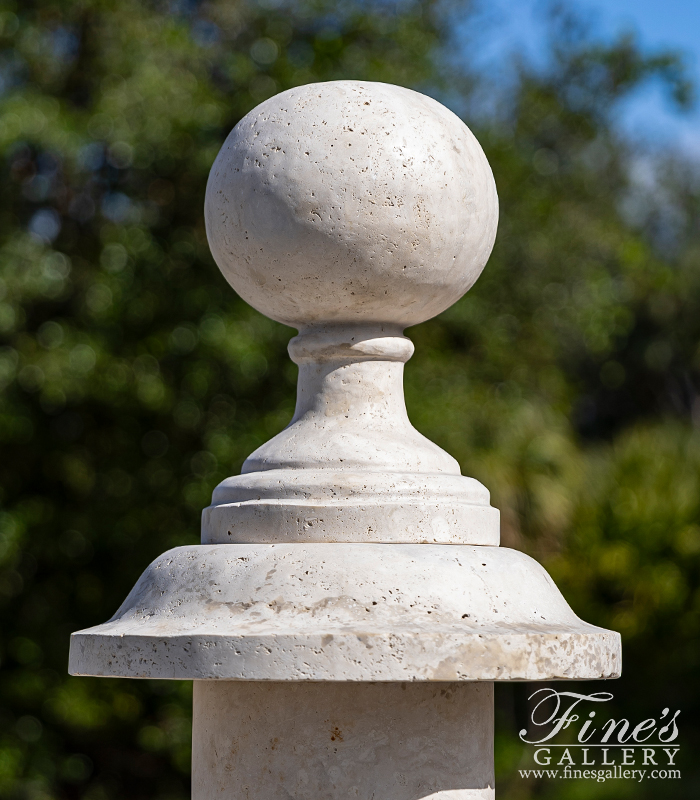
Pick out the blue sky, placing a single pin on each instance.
(659, 24)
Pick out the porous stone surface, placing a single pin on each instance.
(350, 412)
(351, 201)
(350, 210)
(346, 612)
(350, 550)
(368, 741)
(303, 505)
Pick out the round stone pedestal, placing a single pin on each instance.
(274, 740)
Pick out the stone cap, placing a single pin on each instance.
(362, 612)
(349, 210)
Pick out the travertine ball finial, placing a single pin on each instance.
(351, 201)
(350, 211)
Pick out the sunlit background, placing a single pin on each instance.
(515, 26)
(133, 380)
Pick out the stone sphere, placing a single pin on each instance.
(351, 202)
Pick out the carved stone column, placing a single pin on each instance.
(349, 607)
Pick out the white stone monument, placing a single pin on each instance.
(349, 607)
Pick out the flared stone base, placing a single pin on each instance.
(346, 612)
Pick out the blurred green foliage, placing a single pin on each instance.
(133, 380)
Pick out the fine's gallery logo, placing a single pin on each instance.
(602, 748)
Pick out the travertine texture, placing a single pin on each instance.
(350, 550)
(350, 210)
(349, 612)
(337, 741)
(351, 201)
(350, 467)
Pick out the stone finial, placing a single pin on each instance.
(350, 210)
